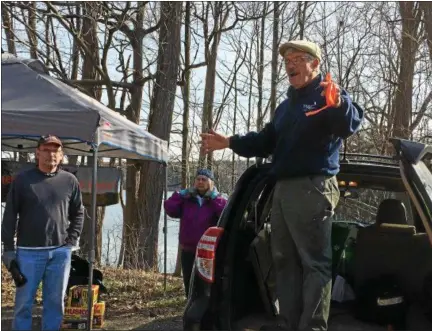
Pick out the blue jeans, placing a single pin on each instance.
(52, 267)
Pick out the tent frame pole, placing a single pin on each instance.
(92, 234)
(165, 225)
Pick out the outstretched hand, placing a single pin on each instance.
(332, 94)
(213, 141)
(336, 100)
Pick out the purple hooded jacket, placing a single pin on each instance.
(194, 219)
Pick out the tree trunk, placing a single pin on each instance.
(233, 169)
(252, 72)
(9, 30)
(75, 49)
(274, 64)
(84, 239)
(89, 31)
(260, 56)
(410, 21)
(162, 106)
(31, 30)
(207, 114)
(185, 133)
(186, 103)
(302, 17)
(426, 7)
(209, 89)
(131, 219)
(89, 72)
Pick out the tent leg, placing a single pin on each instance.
(92, 238)
(165, 226)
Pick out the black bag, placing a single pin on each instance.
(382, 301)
(79, 274)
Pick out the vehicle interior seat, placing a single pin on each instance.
(392, 247)
(391, 211)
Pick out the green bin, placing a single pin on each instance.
(340, 233)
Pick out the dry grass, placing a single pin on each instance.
(137, 291)
(131, 293)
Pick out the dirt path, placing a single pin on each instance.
(139, 320)
(136, 301)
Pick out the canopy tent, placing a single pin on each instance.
(35, 104)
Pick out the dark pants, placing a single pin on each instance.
(187, 261)
(301, 248)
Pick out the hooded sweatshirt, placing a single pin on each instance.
(301, 145)
(196, 214)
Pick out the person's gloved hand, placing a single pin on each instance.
(8, 257)
(188, 192)
(211, 194)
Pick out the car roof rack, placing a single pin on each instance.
(365, 158)
(369, 159)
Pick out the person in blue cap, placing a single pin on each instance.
(198, 208)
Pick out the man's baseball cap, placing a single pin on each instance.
(49, 139)
(303, 46)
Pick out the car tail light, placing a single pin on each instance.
(206, 253)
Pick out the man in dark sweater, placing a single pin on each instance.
(49, 205)
(305, 152)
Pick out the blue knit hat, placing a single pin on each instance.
(205, 172)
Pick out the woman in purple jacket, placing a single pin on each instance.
(198, 208)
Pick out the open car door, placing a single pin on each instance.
(415, 161)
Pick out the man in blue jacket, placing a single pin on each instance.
(305, 152)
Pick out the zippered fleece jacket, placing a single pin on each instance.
(195, 216)
(303, 145)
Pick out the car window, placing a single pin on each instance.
(363, 209)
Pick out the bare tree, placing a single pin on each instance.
(274, 58)
(162, 104)
(186, 106)
(426, 7)
(8, 27)
(410, 14)
(221, 13)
